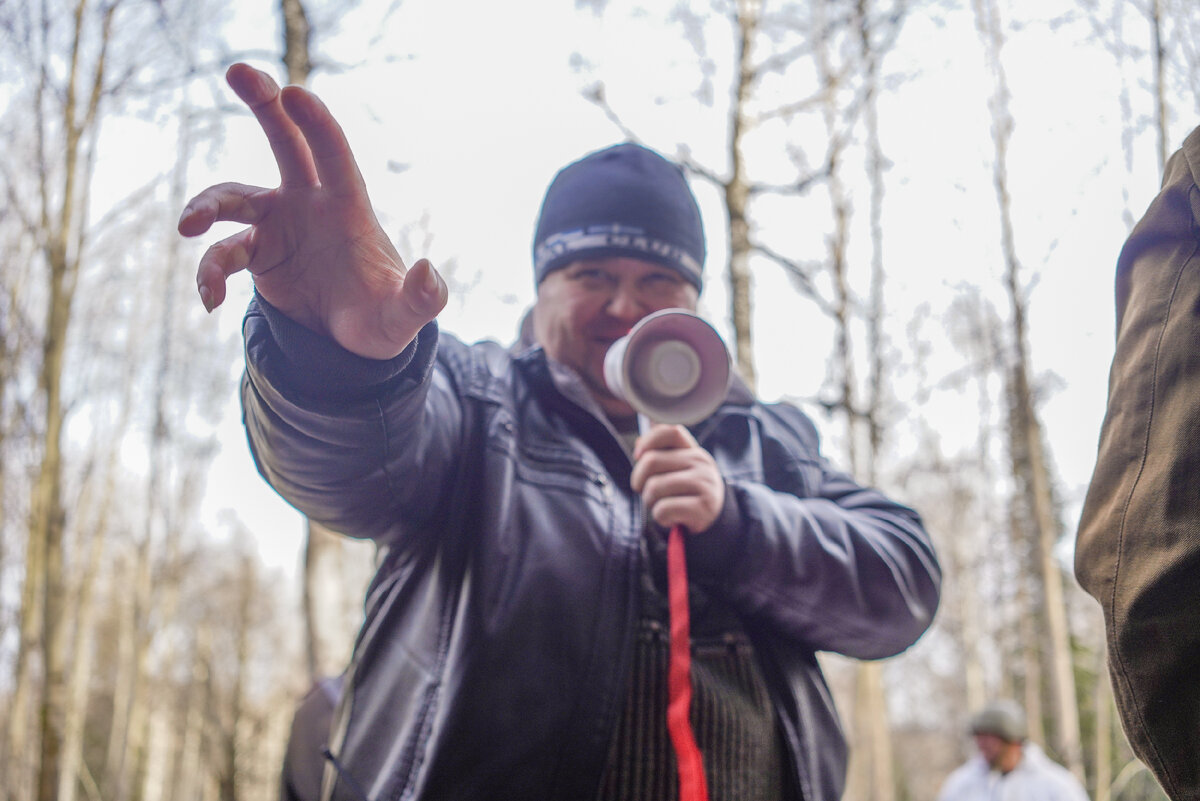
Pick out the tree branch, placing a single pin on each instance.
(800, 272)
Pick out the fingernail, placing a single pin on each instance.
(432, 285)
(206, 298)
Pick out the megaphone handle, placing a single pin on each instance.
(692, 784)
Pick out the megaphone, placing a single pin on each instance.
(672, 367)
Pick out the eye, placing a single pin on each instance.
(662, 282)
(592, 277)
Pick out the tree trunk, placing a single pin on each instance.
(188, 776)
(1032, 471)
(875, 168)
(1159, 55)
(129, 708)
(1126, 104)
(986, 340)
(62, 253)
(1102, 790)
(20, 762)
(332, 604)
(82, 665)
(737, 195)
(297, 36)
(871, 760)
(1031, 662)
(159, 747)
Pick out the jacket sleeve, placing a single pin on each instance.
(1138, 544)
(813, 556)
(341, 437)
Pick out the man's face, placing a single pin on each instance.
(585, 307)
(995, 750)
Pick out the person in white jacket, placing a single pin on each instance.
(1008, 767)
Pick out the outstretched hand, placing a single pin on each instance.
(313, 245)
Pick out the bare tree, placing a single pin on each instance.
(1159, 59)
(235, 612)
(66, 105)
(871, 769)
(83, 63)
(738, 189)
(852, 85)
(1027, 447)
(763, 47)
(96, 512)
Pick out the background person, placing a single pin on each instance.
(1007, 767)
(515, 638)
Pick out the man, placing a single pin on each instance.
(1007, 767)
(1138, 546)
(515, 642)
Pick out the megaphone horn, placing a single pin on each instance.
(672, 367)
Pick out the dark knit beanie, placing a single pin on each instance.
(625, 200)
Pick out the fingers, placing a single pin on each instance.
(689, 499)
(688, 512)
(308, 143)
(663, 437)
(262, 95)
(228, 202)
(326, 141)
(679, 481)
(220, 261)
(662, 474)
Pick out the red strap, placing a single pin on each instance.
(692, 786)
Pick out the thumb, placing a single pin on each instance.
(424, 291)
(391, 325)
(416, 302)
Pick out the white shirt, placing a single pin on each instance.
(1035, 778)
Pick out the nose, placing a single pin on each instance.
(626, 304)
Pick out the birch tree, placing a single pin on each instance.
(65, 99)
(871, 34)
(77, 66)
(1030, 462)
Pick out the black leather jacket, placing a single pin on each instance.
(492, 662)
